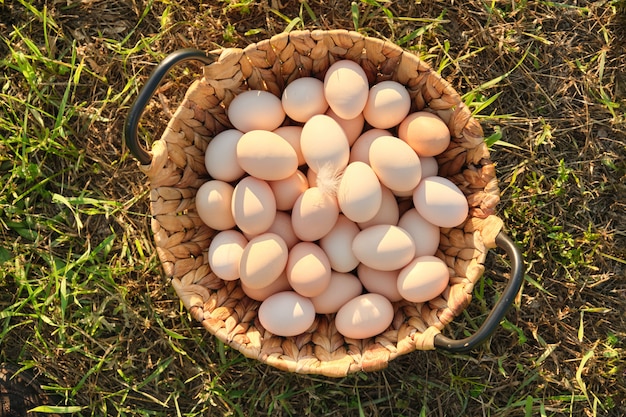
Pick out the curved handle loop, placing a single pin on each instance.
(499, 310)
(146, 93)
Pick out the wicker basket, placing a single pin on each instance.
(176, 170)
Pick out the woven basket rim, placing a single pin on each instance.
(177, 170)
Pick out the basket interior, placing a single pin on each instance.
(177, 171)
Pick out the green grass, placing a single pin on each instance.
(82, 298)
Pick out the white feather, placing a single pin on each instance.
(328, 179)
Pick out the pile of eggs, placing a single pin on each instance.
(315, 215)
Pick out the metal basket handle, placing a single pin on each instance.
(146, 93)
(500, 308)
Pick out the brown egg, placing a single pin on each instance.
(380, 282)
(360, 150)
(342, 288)
(253, 206)
(440, 202)
(308, 269)
(256, 110)
(423, 279)
(286, 313)
(266, 155)
(360, 194)
(346, 88)
(278, 285)
(292, 135)
(387, 214)
(424, 234)
(384, 247)
(304, 98)
(213, 203)
(387, 105)
(352, 127)
(263, 260)
(225, 253)
(426, 133)
(314, 214)
(395, 163)
(338, 245)
(364, 316)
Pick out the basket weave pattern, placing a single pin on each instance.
(177, 170)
